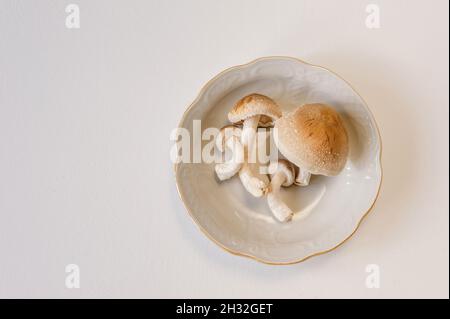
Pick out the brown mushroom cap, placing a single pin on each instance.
(314, 138)
(255, 104)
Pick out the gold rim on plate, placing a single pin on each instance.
(237, 253)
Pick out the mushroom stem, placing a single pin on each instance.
(249, 128)
(249, 179)
(303, 177)
(252, 184)
(279, 209)
(228, 169)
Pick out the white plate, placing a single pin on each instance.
(243, 225)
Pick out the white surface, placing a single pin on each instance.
(85, 117)
(237, 220)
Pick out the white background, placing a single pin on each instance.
(85, 117)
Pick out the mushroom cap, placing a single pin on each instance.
(286, 167)
(314, 138)
(225, 133)
(255, 104)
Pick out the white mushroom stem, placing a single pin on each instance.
(249, 128)
(303, 177)
(228, 169)
(252, 184)
(279, 209)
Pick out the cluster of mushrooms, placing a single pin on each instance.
(312, 139)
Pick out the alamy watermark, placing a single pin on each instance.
(73, 16)
(73, 276)
(373, 16)
(373, 279)
(211, 145)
